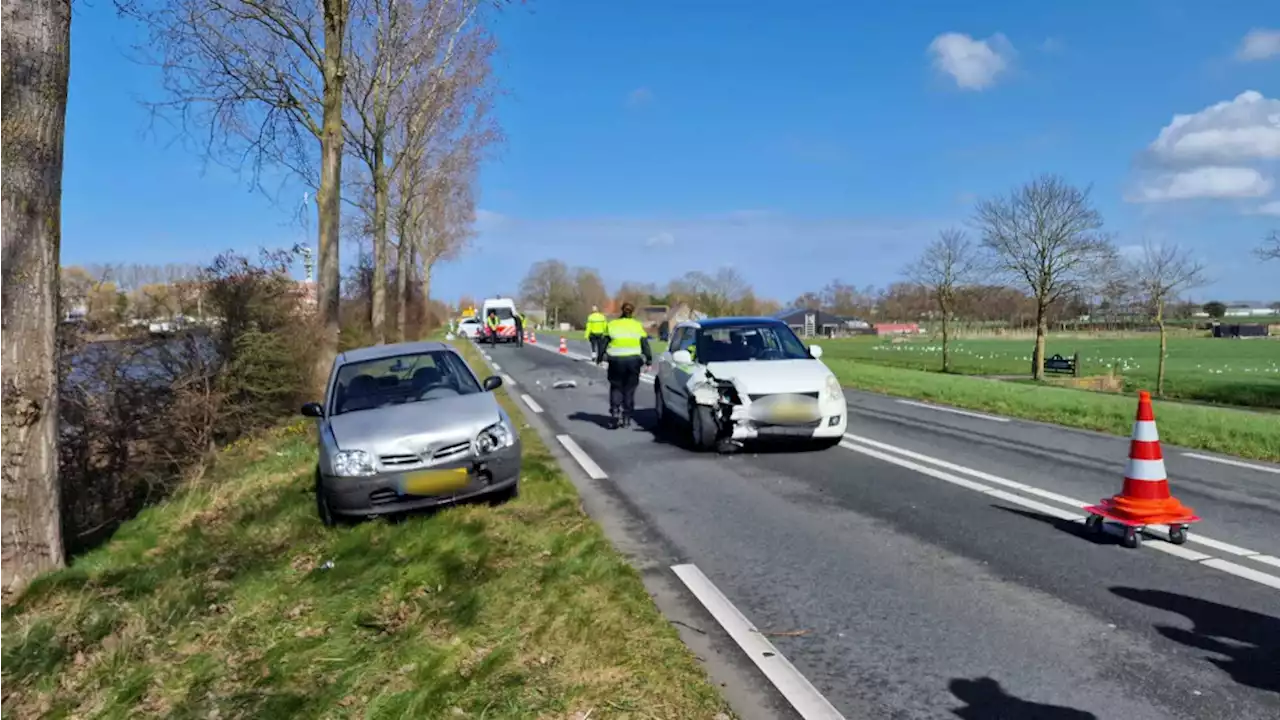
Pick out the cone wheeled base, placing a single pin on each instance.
(1132, 536)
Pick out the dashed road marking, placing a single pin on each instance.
(507, 379)
(795, 687)
(533, 404)
(942, 408)
(1235, 463)
(594, 471)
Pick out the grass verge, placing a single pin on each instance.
(1251, 435)
(232, 601)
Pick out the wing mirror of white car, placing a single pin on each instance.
(491, 383)
(815, 351)
(681, 357)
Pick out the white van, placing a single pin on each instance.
(505, 309)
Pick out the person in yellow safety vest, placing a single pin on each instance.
(492, 322)
(519, 319)
(627, 345)
(597, 326)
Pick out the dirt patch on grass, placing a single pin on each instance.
(232, 601)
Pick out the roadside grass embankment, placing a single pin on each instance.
(231, 600)
(1243, 373)
(1232, 432)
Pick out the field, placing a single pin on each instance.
(1227, 372)
(232, 601)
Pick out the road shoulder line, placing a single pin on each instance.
(589, 466)
(956, 411)
(794, 686)
(1232, 462)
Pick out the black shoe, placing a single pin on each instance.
(614, 421)
(626, 421)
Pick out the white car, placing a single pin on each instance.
(469, 327)
(731, 380)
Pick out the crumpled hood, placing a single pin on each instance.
(762, 377)
(405, 428)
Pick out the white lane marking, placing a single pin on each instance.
(593, 470)
(1266, 560)
(533, 404)
(506, 378)
(1236, 463)
(993, 418)
(795, 687)
(1241, 571)
(1192, 555)
(496, 366)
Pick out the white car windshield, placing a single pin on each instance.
(740, 343)
(401, 379)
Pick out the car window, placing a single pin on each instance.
(740, 343)
(681, 340)
(418, 377)
(503, 313)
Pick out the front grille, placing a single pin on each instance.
(450, 450)
(399, 460)
(813, 395)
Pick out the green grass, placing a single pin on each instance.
(1229, 372)
(1235, 432)
(222, 603)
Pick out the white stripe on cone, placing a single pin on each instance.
(1145, 431)
(1149, 470)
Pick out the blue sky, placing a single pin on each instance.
(647, 139)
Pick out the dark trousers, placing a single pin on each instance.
(597, 347)
(624, 378)
(519, 333)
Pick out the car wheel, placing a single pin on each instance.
(322, 505)
(702, 426)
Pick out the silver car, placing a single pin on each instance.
(409, 426)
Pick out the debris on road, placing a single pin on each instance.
(561, 384)
(786, 633)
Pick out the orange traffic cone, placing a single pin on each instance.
(564, 349)
(533, 338)
(1144, 499)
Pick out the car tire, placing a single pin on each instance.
(702, 427)
(327, 517)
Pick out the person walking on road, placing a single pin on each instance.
(597, 326)
(627, 346)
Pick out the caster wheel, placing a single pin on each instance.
(1132, 538)
(1178, 534)
(1093, 523)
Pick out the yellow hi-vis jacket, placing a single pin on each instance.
(627, 338)
(597, 324)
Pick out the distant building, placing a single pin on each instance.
(808, 322)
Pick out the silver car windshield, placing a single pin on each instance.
(739, 343)
(401, 379)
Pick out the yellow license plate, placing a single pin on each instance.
(434, 482)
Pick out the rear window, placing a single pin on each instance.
(401, 379)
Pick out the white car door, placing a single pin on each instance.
(675, 381)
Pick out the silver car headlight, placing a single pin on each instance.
(495, 437)
(353, 463)
(833, 391)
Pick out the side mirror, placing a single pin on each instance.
(681, 357)
(491, 383)
(313, 410)
(815, 351)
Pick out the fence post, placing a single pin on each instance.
(1075, 364)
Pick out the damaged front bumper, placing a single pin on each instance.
(776, 416)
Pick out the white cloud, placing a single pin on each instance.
(1226, 150)
(662, 239)
(1259, 44)
(1270, 208)
(973, 64)
(639, 96)
(1206, 182)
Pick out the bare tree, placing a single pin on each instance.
(949, 263)
(396, 43)
(548, 285)
(1270, 249)
(37, 62)
(1162, 273)
(264, 79)
(1048, 235)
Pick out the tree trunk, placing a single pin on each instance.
(1042, 330)
(946, 347)
(329, 193)
(1164, 348)
(378, 294)
(37, 63)
(403, 268)
(426, 292)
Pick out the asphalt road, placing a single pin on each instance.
(929, 567)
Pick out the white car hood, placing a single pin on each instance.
(765, 377)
